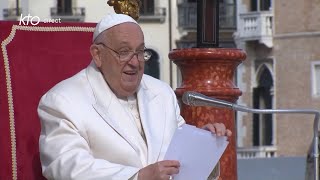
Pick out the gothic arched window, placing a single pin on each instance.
(151, 66)
(262, 99)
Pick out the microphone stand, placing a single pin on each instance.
(197, 99)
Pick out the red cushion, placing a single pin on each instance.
(32, 60)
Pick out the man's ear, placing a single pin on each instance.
(96, 54)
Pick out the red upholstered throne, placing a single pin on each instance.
(32, 60)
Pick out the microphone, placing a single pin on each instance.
(196, 99)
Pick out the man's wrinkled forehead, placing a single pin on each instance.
(110, 21)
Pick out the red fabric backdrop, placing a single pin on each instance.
(38, 57)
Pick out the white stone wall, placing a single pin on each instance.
(95, 10)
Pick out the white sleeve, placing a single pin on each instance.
(179, 118)
(64, 150)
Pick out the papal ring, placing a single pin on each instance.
(170, 177)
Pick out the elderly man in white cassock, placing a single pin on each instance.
(110, 121)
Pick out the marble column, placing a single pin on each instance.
(210, 71)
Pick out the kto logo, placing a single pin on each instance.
(35, 20)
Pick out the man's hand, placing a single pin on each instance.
(218, 128)
(159, 171)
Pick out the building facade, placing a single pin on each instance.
(281, 72)
(187, 23)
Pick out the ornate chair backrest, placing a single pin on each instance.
(33, 59)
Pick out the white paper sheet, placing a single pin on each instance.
(197, 150)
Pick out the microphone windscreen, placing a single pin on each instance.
(190, 98)
(186, 98)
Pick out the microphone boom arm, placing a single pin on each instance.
(197, 99)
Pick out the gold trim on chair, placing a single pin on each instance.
(4, 43)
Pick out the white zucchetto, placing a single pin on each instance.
(109, 21)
